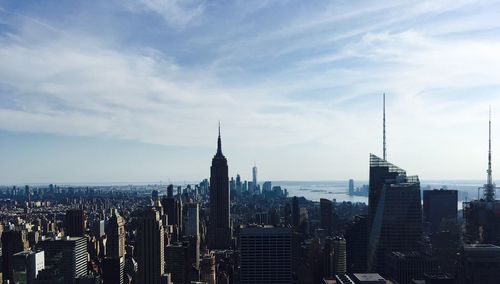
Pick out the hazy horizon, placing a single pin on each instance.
(358, 183)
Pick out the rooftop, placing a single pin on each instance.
(368, 277)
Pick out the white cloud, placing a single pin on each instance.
(76, 86)
(311, 82)
(178, 13)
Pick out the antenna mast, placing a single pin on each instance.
(384, 143)
(489, 187)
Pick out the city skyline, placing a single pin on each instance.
(131, 91)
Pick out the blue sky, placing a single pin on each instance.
(132, 90)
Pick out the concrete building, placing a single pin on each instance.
(150, 243)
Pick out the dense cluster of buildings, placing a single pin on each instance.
(232, 231)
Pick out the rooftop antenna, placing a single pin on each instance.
(490, 179)
(219, 146)
(384, 143)
(489, 187)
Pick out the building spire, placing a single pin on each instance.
(219, 144)
(490, 188)
(490, 179)
(384, 145)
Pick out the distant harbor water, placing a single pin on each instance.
(338, 190)
(314, 190)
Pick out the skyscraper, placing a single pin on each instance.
(267, 187)
(356, 236)
(114, 263)
(173, 208)
(207, 268)
(177, 262)
(115, 235)
(439, 206)
(193, 231)
(238, 184)
(68, 255)
(219, 230)
(192, 220)
(150, 244)
(479, 263)
(295, 212)
(26, 265)
(334, 256)
(27, 196)
(408, 265)
(75, 223)
(266, 255)
(394, 212)
(155, 196)
(326, 210)
(12, 243)
(339, 248)
(254, 180)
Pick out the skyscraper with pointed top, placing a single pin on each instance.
(394, 210)
(219, 228)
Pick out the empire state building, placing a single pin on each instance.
(219, 229)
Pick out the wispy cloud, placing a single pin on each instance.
(303, 74)
(178, 13)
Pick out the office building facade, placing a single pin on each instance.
(266, 255)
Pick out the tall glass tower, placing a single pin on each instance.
(394, 212)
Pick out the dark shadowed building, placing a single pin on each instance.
(326, 211)
(75, 223)
(295, 212)
(12, 243)
(479, 264)
(266, 255)
(439, 206)
(219, 228)
(395, 212)
(356, 237)
(67, 255)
